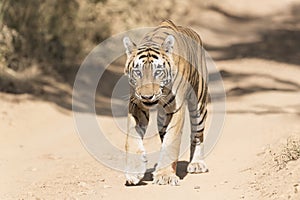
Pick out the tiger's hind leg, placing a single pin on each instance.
(198, 114)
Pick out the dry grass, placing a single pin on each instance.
(55, 36)
(290, 151)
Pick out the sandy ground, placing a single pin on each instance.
(41, 155)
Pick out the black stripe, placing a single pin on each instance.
(154, 50)
(195, 80)
(168, 27)
(203, 89)
(169, 93)
(202, 107)
(132, 105)
(154, 56)
(204, 99)
(195, 116)
(202, 120)
(172, 127)
(154, 47)
(173, 97)
(157, 28)
(162, 135)
(166, 33)
(130, 62)
(167, 62)
(146, 114)
(170, 101)
(142, 56)
(197, 131)
(171, 113)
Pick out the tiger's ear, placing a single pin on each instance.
(129, 45)
(168, 44)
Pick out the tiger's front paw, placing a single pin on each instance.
(133, 178)
(197, 167)
(165, 178)
(135, 169)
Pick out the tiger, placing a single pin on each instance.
(166, 71)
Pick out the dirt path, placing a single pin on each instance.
(42, 157)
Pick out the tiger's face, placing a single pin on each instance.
(149, 69)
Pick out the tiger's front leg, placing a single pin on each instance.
(165, 172)
(135, 152)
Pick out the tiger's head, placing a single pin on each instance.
(149, 68)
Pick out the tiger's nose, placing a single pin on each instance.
(147, 97)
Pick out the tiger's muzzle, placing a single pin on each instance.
(148, 94)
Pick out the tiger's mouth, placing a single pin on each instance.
(149, 103)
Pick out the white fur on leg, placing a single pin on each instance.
(136, 162)
(197, 165)
(136, 167)
(166, 171)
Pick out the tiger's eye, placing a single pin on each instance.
(158, 72)
(137, 73)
